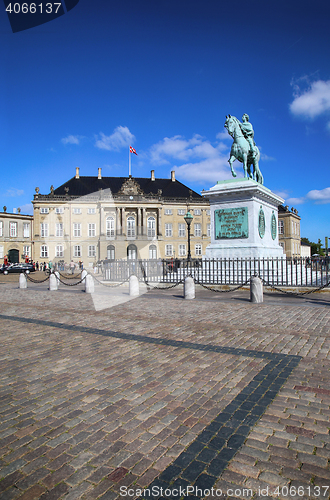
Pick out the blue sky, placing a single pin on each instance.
(162, 76)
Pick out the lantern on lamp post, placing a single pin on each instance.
(188, 218)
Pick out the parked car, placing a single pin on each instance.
(17, 268)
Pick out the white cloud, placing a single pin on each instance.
(312, 102)
(13, 192)
(71, 139)
(295, 201)
(120, 138)
(266, 157)
(319, 196)
(208, 170)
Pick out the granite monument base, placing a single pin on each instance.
(244, 221)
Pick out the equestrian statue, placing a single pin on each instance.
(244, 149)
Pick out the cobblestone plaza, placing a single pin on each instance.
(215, 392)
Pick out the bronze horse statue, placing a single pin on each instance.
(241, 151)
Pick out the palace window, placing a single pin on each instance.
(111, 252)
(168, 211)
(77, 251)
(27, 251)
(281, 227)
(91, 251)
(44, 210)
(76, 211)
(168, 250)
(182, 250)
(26, 230)
(91, 211)
(77, 230)
(182, 230)
(13, 229)
(1, 252)
(43, 230)
(197, 211)
(151, 227)
(110, 227)
(209, 230)
(59, 251)
(1, 228)
(197, 229)
(168, 230)
(59, 230)
(91, 230)
(181, 211)
(44, 251)
(59, 210)
(130, 227)
(131, 252)
(152, 252)
(198, 249)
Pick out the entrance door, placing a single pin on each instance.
(13, 256)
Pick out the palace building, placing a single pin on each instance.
(289, 231)
(96, 218)
(15, 236)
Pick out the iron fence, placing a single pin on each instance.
(298, 272)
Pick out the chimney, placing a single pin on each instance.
(173, 175)
(77, 172)
(99, 175)
(152, 175)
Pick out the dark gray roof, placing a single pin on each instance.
(86, 185)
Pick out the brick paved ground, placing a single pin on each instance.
(161, 389)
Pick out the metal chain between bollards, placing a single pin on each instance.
(297, 294)
(221, 291)
(35, 281)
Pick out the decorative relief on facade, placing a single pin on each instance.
(130, 187)
(261, 223)
(273, 226)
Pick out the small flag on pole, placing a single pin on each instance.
(132, 150)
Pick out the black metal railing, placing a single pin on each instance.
(298, 272)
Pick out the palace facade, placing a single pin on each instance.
(289, 231)
(16, 232)
(95, 218)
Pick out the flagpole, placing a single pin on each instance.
(129, 161)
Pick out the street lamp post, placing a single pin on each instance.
(188, 218)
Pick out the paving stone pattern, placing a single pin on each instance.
(219, 393)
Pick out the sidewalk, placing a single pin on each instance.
(213, 392)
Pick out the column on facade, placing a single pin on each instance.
(123, 221)
(159, 222)
(118, 222)
(138, 222)
(144, 222)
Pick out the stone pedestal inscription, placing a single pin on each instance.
(231, 223)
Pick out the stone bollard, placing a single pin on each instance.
(134, 289)
(53, 283)
(89, 284)
(83, 274)
(256, 290)
(57, 274)
(22, 281)
(189, 288)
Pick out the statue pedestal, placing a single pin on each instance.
(244, 220)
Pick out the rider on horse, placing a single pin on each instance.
(248, 132)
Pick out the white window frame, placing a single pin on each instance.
(152, 252)
(1, 228)
(26, 230)
(59, 230)
(110, 225)
(13, 229)
(91, 230)
(91, 251)
(111, 252)
(181, 211)
(169, 229)
(1, 251)
(182, 250)
(76, 211)
(198, 229)
(44, 251)
(208, 212)
(44, 210)
(130, 224)
(44, 230)
(197, 211)
(59, 251)
(168, 211)
(198, 249)
(76, 230)
(91, 211)
(209, 230)
(169, 250)
(182, 230)
(77, 251)
(59, 210)
(280, 226)
(151, 225)
(27, 251)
